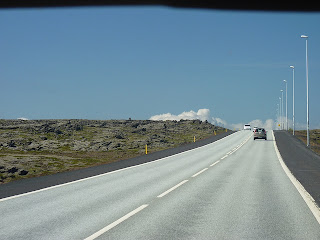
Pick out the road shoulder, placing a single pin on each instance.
(301, 161)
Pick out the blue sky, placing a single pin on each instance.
(138, 62)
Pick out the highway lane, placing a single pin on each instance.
(234, 188)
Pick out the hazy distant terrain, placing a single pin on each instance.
(38, 147)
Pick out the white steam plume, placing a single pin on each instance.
(204, 114)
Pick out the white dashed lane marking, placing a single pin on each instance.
(173, 188)
(199, 172)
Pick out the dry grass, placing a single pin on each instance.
(314, 137)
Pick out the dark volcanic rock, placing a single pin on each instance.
(13, 170)
(11, 143)
(98, 135)
(23, 172)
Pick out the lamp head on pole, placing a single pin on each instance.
(285, 81)
(292, 67)
(304, 36)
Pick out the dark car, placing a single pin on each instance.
(260, 133)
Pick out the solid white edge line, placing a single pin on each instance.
(115, 223)
(214, 163)
(103, 174)
(303, 192)
(171, 189)
(199, 172)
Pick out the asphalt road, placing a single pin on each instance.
(234, 188)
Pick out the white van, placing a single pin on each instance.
(247, 127)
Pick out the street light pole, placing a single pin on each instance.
(286, 104)
(308, 140)
(278, 112)
(280, 121)
(292, 99)
(282, 109)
